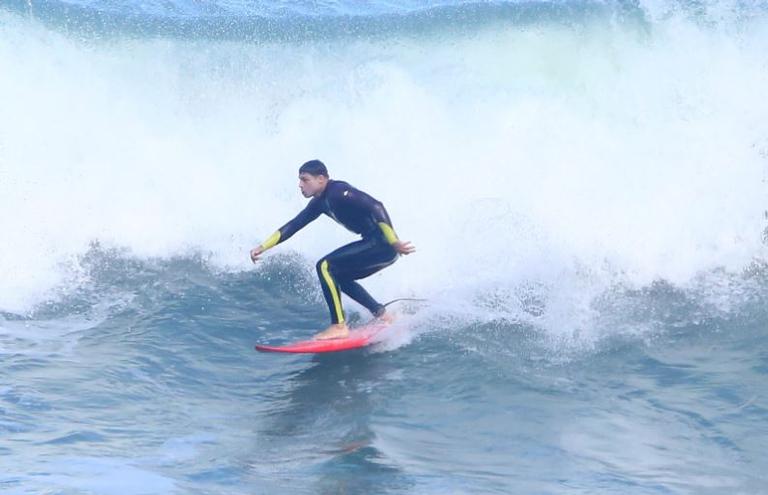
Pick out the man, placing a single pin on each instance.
(339, 270)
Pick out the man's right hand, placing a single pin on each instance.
(256, 252)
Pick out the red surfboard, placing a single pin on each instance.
(358, 337)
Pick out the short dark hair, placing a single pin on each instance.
(314, 167)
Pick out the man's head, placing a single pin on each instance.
(313, 177)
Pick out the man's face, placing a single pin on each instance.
(311, 185)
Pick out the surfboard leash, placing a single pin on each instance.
(405, 299)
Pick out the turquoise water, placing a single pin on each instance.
(162, 393)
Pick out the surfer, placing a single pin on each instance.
(340, 270)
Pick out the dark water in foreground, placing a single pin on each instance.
(147, 383)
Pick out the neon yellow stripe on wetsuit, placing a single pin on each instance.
(334, 292)
(389, 232)
(271, 241)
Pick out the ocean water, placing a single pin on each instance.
(585, 182)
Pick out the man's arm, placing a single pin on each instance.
(308, 214)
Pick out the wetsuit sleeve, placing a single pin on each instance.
(311, 212)
(359, 199)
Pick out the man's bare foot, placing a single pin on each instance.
(385, 317)
(335, 331)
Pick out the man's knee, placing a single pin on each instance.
(325, 271)
(325, 268)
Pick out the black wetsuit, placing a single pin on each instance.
(339, 270)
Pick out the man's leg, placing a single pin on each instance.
(340, 269)
(361, 261)
(332, 294)
(361, 296)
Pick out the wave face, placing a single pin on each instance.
(584, 182)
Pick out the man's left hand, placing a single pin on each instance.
(404, 247)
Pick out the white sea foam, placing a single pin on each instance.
(545, 160)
